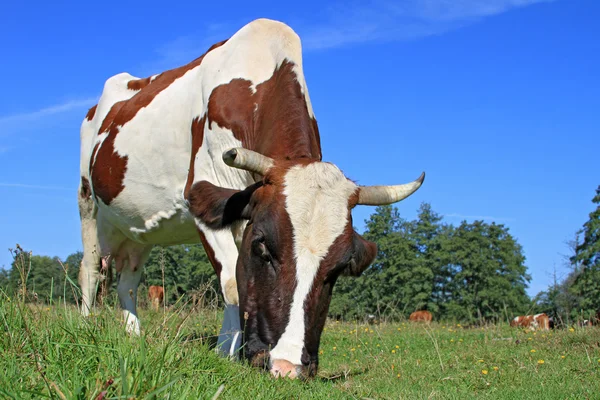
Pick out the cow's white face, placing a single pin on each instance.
(298, 240)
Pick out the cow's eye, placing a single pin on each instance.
(259, 248)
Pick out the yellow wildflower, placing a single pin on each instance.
(484, 371)
(532, 350)
(571, 330)
(564, 357)
(398, 375)
(397, 346)
(334, 348)
(480, 360)
(393, 351)
(495, 368)
(540, 362)
(352, 349)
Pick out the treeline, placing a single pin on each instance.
(577, 296)
(182, 269)
(473, 271)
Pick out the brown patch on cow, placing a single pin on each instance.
(138, 84)
(108, 169)
(91, 112)
(211, 255)
(197, 139)
(421, 315)
(86, 190)
(273, 121)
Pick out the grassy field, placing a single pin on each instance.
(54, 352)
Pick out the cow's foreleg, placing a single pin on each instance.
(223, 252)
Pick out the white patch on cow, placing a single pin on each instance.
(317, 198)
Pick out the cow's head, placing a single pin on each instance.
(298, 240)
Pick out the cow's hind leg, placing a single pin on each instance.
(223, 252)
(89, 270)
(129, 262)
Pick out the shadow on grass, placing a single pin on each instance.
(342, 375)
(202, 338)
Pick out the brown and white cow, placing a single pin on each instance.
(226, 150)
(421, 315)
(156, 295)
(533, 322)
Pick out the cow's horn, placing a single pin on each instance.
(248, 160)
(381, 195)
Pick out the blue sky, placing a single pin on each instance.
(496, 100)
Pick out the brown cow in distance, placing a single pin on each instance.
(533, 322)
(156, 294)
(421, 315)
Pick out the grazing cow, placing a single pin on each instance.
(156, 294)
(533, 322)
(226, 150)
(421, 315)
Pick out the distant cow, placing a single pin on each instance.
(533, 322)
(585, 322)
(156, 294)
(421, 316)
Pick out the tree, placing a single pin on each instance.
(430, 237)
(490, 274)
(40, 278)
(586, 285)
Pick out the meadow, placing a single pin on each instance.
(52, 352)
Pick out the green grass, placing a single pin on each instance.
(54, 352)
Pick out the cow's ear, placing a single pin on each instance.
(364, 254)
(219, 207)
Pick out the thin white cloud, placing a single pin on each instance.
(184, 49)
(350, 22)
(479, 217)
(66, 106)
(38, 187)
(384, 20)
